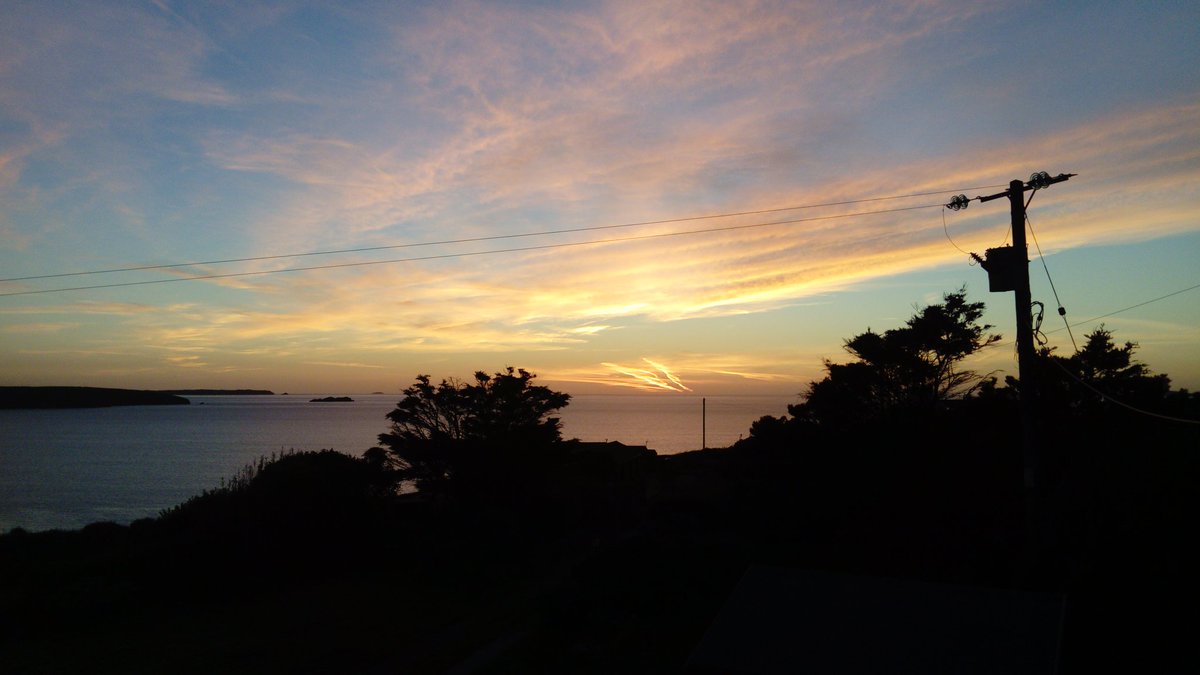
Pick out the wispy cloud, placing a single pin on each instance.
(567, 297)
(689, 372)
(186, 361)
(553, 112)
(666, 373)
(633, 107)
(657, 377)
(344, 364)
(553, 299)
(97, 308)
(43, 327)
(176, 128)
(73, 81)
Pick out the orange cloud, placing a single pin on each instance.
(689, 372)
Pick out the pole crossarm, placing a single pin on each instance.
(1036, 181)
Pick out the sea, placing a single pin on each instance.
(63, 469)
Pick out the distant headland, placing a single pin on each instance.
(332, 399)
(83, 397)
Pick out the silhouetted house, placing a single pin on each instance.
(614, 451)
(609, 474)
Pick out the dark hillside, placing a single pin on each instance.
(525, 553)
(307, 565)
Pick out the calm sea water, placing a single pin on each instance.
(67, 468)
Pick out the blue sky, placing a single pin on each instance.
(162, 133)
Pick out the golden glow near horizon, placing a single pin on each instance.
(176, 132)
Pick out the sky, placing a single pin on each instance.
(548, 185)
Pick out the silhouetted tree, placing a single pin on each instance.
(914, 367)
(1101, 369)
(467, 434)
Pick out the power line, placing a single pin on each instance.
(1105, 316)
(946, 229)
(1126, 309)
(1062, 311)
(495, 237)
(363, 263)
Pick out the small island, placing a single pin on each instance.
(332, 399)
(82, 397)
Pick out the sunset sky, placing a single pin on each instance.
(180, 133)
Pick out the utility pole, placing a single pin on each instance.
(1030, 387)
(1008, 270)
(704, 424)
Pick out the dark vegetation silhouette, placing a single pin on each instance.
(519, 551)
(322, 492)
(1091, 380)
(493, 435)
(909, 370)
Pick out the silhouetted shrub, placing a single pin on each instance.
(291, 492)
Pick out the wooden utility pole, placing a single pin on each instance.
(703, 424)
(1025, 351)
(1008, 270)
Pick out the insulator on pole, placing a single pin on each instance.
(1039, 180)
(958, 203)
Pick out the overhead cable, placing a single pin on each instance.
(443, 256)
(495, 237)
(1062, 311)
(1126, 309)
(1105, 316)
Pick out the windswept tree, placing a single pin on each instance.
(467, 434)
(911, 368)
(1100, 372)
